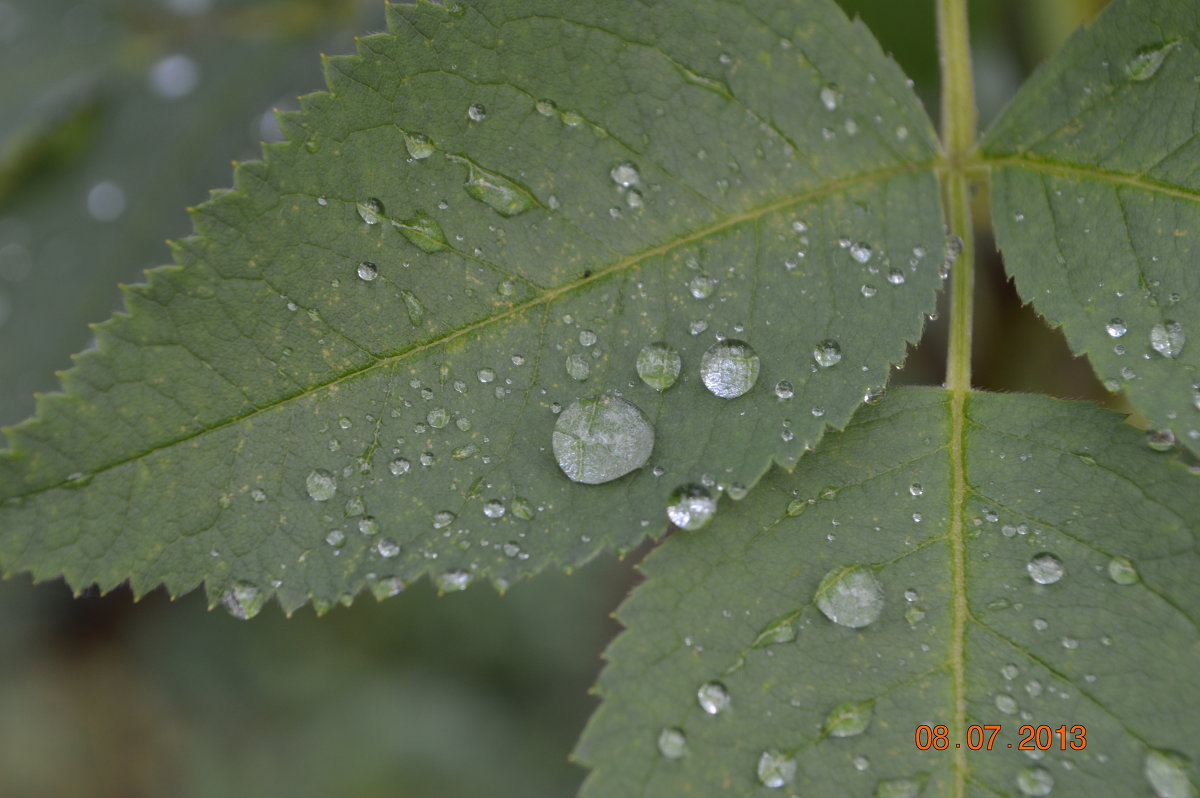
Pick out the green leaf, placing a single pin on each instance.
(1058, 589)
(352, 376)
(113, 122)
(1096, 203)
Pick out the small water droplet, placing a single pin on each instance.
(860, 252)
(1035, 781)
(729, 368)
(321, 485)
(418, 145)
(243, 600)
(485, 375)
(691, 506)
(915, 489)
(868, 290)
(367, 271)
(1167, 338)
(546, 107)
(476, 112)
(577, 367)
(830, 97)
(1166, 772)
(438, 417)
(521, 508)
(658, 365)
(498, 192)
(898, 788)
(368, 526)
(1122, 571)
(701, 286)
(387, 548)
(371, 211)
(672, 743)
(895, 277)
(601, 438)
(713, 697)
(443, 519)
(1146, 62)
(775, 769)
(1115, 328)
(1006, 704)
(827, 353)
(625, 174)
(336, 538)
(1045, 568)
(784, 389)
(874, 396)
(494, 509)
(849, 719)
(850, 596)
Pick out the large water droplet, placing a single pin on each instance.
(658, 365)
(371, 211)
(453, 580)
(672, 743)
(600, 438)
(321, 485)
(625, 174)
(418, 145)
(1045, 568)
(776, 769)
(850, 596)
(424, 232)
(692, 506)
(1035, 781)
(1122, 571)
(849, 719)
(1116, 328)
(243, 600)
(1165, 770)
(729, 368)
(1167, 338)
(713, 697)
(827, 353)
(501, 194)
(577, 367)
(1160, 440)
(1146, 62)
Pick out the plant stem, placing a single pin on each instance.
(958, 144)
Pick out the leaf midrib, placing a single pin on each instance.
(550, 295)
(1136, 180)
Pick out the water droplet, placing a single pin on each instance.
(784, 389)
(485, 375)
(1115, 328)
(546, 107)
(1146, 62)
(898, 788)
(453, 580)
(438, 417)
(776, 769)
(625, 174)
(496, 191)
(1165, 770)
(494, 509)
(418, 145)
(828, 353)
(860, 252)
(850, 596)
(336, 538)
(895, 277)
(861, 763)
(443, 519)
(830, 97)
(701, 286)
(1122, 571)
(387, 548)
(367, 271)
(849, 719)
(424, 232)
(915, 489)
(874, 396)
(521, 508)
(601, 438)
(577, 367)
(476, 112)
(587, 338)
(691, 506)
(672, 743)
(658, 365)
(1167, 338)
(1006, 704)
(780, 630)
(729, 368)
(713, 697)
(1035, 782)
(416, 311)
(368, 526)
(868, 290)
(1010, 671)
(321, 485)
(1045, 568)
(1160, 440)
(243, 600)
(371, 211)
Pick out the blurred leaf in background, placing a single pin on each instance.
(117, 115)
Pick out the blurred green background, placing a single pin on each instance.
(117, 114)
